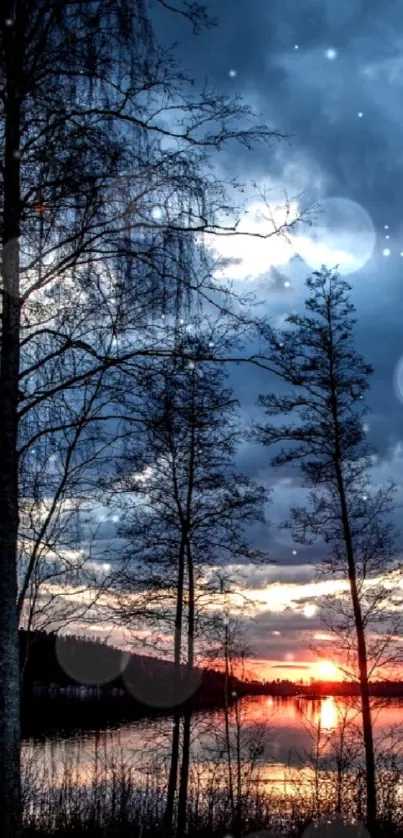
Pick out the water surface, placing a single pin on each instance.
(281, 743)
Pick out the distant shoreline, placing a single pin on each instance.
(58, 714)
(322, 689)
(53, 699)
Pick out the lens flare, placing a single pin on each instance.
(92, 664)
(342, 235)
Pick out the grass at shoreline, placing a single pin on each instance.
(112, 805)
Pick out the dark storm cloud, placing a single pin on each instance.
(275, 635)
(315, 99)
(287, 621)
(301, 91)
(276, 648)
(260, 576)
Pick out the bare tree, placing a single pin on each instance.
(185, 510)
(325, 382)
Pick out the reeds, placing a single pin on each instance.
(110, 789)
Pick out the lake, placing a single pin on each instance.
(291, 748)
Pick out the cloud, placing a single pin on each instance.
(332, 152)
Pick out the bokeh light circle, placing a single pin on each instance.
(342, 234)
(336, 827)
(89, 664)
(153, 684)
(398, 380)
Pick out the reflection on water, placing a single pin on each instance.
(288, 740)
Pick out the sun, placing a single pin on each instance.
(327, 671)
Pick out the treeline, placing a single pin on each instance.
(379, 689)
(48, 661)
(322, 689)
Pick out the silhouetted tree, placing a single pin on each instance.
(186, 510)
(325, 382)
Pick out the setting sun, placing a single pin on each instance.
(327, 671)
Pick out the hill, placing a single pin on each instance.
(73, 681)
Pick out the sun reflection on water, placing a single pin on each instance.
(328, 715)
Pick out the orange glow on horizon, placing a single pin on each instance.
(327, 671)
(295, 671)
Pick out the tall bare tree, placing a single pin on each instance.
(186, 510)
(326, 378)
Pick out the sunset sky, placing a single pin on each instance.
(331, 76)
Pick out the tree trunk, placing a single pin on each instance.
(10, 805)
(173, 770)
(227, 726)
(365, 708)
(371, 803)
(239, 801)
(173, 776)
(184, 774)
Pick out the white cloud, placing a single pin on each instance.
(246, 255)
